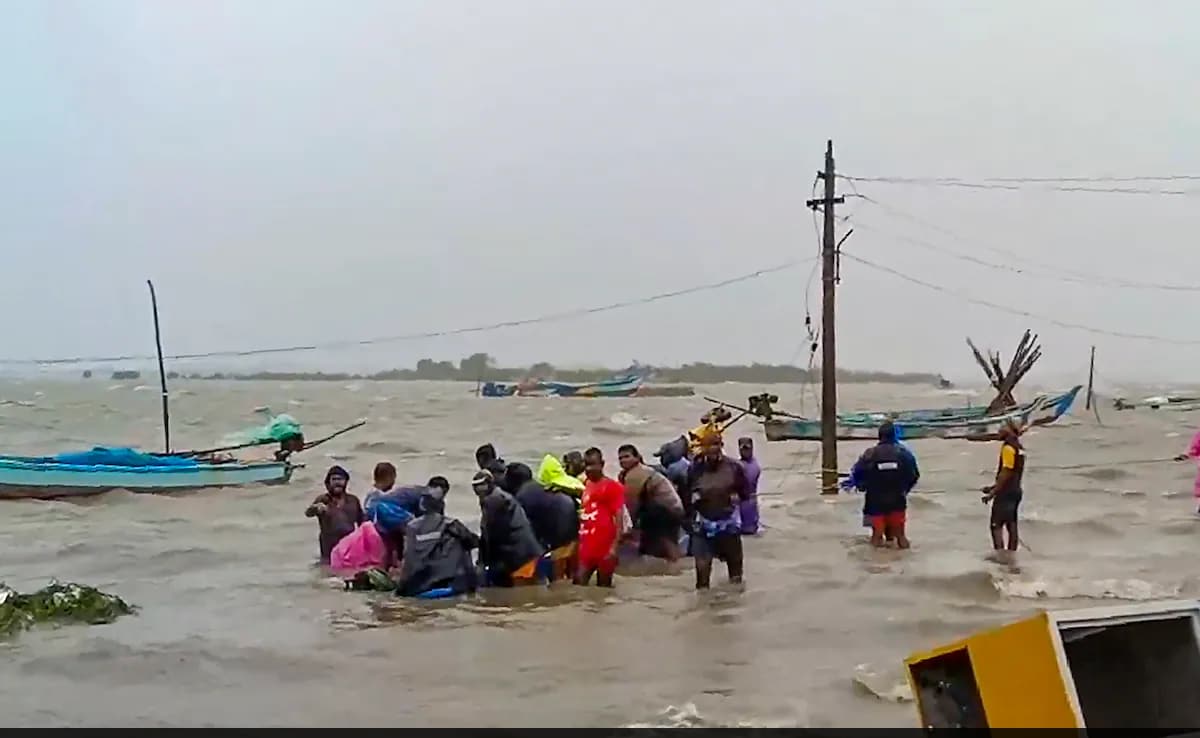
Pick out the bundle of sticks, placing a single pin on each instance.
(1005, 380)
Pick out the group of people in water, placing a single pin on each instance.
(572, 519)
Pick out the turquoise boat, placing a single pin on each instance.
(1042, 411)
(873, 418)
(623, 386)
(50, 477)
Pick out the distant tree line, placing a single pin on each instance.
(482, 368)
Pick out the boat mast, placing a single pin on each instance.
(162, 373)
(829, 279)
(1087, 403)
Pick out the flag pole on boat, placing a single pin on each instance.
(829, 279)
(162, 373)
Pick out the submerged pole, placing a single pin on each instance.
(1087, 402)
(162, 373)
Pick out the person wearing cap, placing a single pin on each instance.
(437, 551)
(887, 472)
(749, 508)
(337, 511)
(715, 487)
(508, 549)
(1005, 494)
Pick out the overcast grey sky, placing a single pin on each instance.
(292, 171)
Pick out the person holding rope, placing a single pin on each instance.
(1193, 452)
(1005, 494)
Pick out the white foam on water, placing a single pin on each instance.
(1137, 590)
(627, 419)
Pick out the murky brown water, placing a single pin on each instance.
(238, 628)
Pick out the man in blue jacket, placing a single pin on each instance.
(887, 472)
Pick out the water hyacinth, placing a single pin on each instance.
(58, 603)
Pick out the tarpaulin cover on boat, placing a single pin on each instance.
(278, 428)
(117, 456)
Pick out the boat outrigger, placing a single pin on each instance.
(104, 469)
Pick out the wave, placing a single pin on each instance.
(392, 447)
(1137, 590)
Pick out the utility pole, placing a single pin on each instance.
(1087, 403)
(829, 279)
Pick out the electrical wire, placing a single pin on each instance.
(1017, 311)
(1018, 184)
(1046, 270)
(550, 317)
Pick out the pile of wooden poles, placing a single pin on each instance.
(1005, 380)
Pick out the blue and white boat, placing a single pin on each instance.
(1042, 411)
(107, 468)
(70, 475)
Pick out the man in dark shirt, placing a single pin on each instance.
(552, 513)
(337, 511)
(716, 486)
(508, 549)
(438, 551)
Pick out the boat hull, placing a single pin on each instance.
(948, 413)
(1043, 412)
(22, 478)
(617, 387)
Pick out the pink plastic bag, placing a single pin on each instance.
(361, 550)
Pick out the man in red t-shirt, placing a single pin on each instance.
(600, 522)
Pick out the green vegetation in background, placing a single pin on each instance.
(481, 367)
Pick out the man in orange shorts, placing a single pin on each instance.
(599, 522)
(886, 472)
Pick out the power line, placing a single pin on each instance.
(550, 317)
(1143, 178)
(1051, 270)
(1017, 184)
(1017, 311)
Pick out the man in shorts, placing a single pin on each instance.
(1005, 494)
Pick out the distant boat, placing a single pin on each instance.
(623, 386)
(126, 374)
(974, 427)
(1174, 403)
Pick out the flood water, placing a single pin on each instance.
(238, 628)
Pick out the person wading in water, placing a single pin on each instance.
(716, 484)
(1005, 495)
(887, 472)
(600, 523)
(337, 511)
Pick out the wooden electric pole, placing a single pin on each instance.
(829, 279)
(1087, 403)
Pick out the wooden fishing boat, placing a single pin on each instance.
(1129, 666)
(1042, 411)
(48, 478)
(104, 469)
(949, 413)
(1174, 403)
(623, 386)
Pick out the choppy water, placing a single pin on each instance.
(238, 628)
